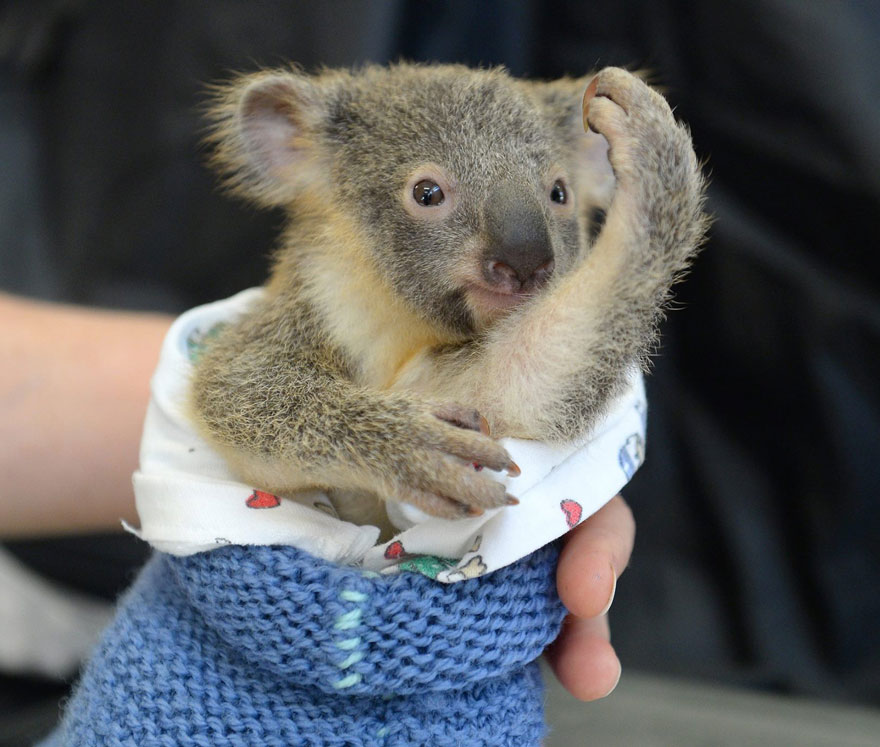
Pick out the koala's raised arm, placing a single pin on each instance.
(436, 268)
(551, 366)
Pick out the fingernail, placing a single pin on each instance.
(613, 590)
(511, 501)
(513, 469)
(617, 681)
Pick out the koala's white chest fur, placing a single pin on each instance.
(378, 333)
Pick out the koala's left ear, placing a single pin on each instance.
(265, 134)
(562, 103)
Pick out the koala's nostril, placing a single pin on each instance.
(499, 272)
(522, 276)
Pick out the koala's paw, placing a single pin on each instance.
(442, 470)
(646, 145)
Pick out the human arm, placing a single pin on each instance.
(74, 388)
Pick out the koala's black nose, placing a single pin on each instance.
(519, 254)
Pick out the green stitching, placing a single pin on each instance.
(352, 679)
(348, 644)
(353, 596)
(353, 658)
(348, 620)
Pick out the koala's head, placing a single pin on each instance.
(471, 190)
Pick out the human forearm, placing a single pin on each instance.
(74, 386)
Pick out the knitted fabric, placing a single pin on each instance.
(272, 646)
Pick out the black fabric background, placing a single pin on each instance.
(758, 511)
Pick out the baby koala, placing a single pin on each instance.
(444, 274)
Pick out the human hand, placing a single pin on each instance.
(594, 556)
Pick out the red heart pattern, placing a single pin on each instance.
(259, 499)
(395, 550)
(572, 510)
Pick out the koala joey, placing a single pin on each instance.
(441, 276)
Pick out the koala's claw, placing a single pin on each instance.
(463, 417)
(638, 124)
(444, 507)
(437, 505)
(442, 473)
(484, 426)
(626, 90)
(470, 441)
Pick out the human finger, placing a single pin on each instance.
(583, 659)
(594, 556)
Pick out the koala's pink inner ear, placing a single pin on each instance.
(270, 115)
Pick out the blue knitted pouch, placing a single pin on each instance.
(272, 646)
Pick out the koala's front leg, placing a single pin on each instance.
(656, 222)
(550, 368)
(286, 419)
(602, 318)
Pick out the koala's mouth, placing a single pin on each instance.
(488, 303)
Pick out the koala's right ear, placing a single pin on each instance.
(264, 135)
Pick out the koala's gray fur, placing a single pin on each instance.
(389, 327)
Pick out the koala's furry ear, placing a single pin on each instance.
(562, 103)
(265, 134)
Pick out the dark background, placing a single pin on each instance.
(757, 559)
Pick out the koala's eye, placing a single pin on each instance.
(428, 193)
(558, 193)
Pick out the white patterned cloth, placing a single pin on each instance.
(188, 501)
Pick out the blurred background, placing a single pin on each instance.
(757, 558)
